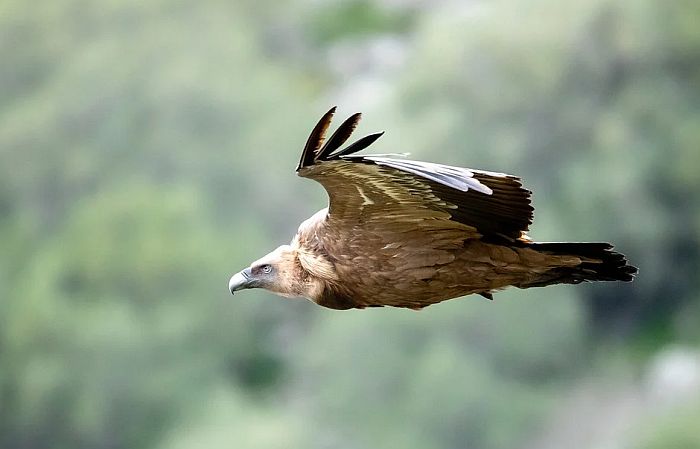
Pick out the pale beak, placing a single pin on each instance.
(241, 280)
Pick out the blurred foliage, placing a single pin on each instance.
(147, 152)
(677, 431)
(356, 18)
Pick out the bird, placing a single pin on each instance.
(409, 234)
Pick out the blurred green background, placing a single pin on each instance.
(147, 152)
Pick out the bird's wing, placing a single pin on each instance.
(378, 192)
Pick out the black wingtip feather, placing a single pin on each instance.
(315, 140)
(357, 146)
(315, 150)
(339, 137)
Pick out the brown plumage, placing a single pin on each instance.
(404, 233)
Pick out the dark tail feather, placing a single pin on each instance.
(602, 264)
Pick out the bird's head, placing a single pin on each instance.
(277, 272)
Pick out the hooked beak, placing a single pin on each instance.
(241, 280)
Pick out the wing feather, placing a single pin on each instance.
(315, 140)
(365, 189)
(360, 145)
(455, 177)
(339, 137)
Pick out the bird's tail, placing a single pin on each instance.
(598, 263)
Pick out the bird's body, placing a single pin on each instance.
(409, 234)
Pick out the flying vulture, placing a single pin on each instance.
(404, 233)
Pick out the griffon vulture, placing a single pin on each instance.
(410, 234)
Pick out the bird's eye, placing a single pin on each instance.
(266, 269)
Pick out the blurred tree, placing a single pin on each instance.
(677, 431)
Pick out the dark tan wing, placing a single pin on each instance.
(371, 190)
